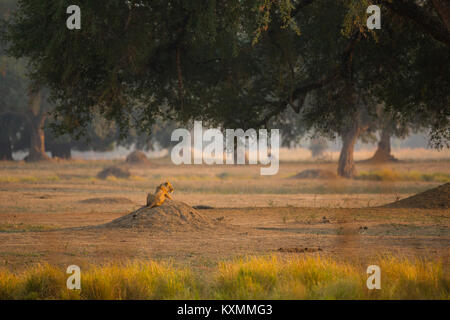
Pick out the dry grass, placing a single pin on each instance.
(21, 227)
(324, 278)
(137, 280)
(28, 179)
(392, 175)
(268, 277)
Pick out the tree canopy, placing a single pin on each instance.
(239, 63)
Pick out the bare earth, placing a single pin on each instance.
(44, 209)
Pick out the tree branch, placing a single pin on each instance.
(443, 9)
(301, 5)
(341, 70)
(413, 12)
(300, 92)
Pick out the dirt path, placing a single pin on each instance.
(343, 233)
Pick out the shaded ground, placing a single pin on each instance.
(114, 171)
(107, 200)
(316, 174)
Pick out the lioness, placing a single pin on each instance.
(162, 193)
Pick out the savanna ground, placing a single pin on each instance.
(276, 227)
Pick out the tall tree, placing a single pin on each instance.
(239, 62)
(13, 86)
(38, 113)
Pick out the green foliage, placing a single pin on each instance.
(232, 63)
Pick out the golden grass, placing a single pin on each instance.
(268, 277)
(136, 280)
(324, 278)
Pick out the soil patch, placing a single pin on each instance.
(299, 250)
(437, 198)
(316, 174)
(380, 157)
(137, 157)
(170, 216)
(117, 172)
(107, 200)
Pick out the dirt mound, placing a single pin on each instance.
(316, 174)
(117, 172)
(137, 157)
(107, 200)
(437, 198)
(380, 157)
(170, 216)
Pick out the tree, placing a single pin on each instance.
(13, 86)
(100, 135)
(383, 152)
(431, 17)
(239, 63)
(318, 145)
(38, 113)
(388, 128)
(389, 68)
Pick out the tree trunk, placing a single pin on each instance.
(5, 148)
(443, 9)
(5, 141)
(346, 164)
(317, 146)
(61, 150)
(385, 141)
(37, 142)
(383, 153)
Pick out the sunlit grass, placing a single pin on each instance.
(149, 280)
(268, 277)
(324, 278)
(136, 280)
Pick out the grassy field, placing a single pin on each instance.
(283, 238)
(265, 277)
